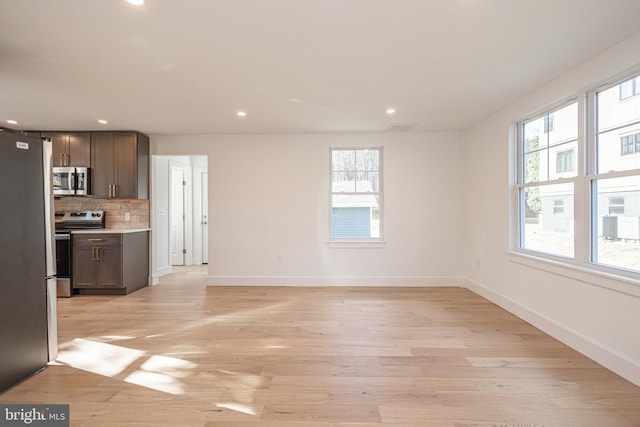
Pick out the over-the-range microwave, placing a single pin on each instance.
(70, 181)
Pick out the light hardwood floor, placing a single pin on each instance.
(183, 354)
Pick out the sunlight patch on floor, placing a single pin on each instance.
(97, 357)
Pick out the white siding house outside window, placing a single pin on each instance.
(578, 181)
(356, 193)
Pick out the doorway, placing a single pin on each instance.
(179, 212)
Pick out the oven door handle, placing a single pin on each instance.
(63, 237)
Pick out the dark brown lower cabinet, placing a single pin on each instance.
(110, 263)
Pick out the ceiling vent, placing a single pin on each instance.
(398, 127)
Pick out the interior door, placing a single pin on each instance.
(177, 218)
(205, 217)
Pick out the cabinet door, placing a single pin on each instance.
(126, 165)
(59, 145)
(84, 267)
(110, 266)
(79, 145)
(102, 163)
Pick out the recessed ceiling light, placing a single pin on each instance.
(136, 2)
(391, 110)
(12, 122)
(241, 113)
(102, 121)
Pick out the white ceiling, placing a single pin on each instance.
(294, 66)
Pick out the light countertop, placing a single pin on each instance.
(110, 231)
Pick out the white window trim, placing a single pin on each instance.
(353, 243)
(580, 267)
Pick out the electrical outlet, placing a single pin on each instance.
(127, 216)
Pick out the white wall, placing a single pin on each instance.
(160, 260)
(600, 322)
(269, 215)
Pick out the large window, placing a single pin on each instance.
(547, 180)
(578, 181)
(356, 193)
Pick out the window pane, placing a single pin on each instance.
(565, 125)
(531, 133)
(544, 138)
(547, 219)
(342, 182)
(617, 229)
(342, 160)
(536, 166)
(367, 182)
(617, 149)
(367, 160)
(614, 112)
(355, 216)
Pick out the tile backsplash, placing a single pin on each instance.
(115, 210)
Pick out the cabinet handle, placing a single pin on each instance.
(67, 161)
(96, 240)
(61, 159)
(95, 254)
(110, 190)
(115, 190)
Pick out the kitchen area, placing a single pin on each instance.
(77, 222)
(101, 188)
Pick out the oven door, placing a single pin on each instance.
(64, 181)
(63, 264)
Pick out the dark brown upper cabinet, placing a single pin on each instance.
(70, 148)
(120, 165)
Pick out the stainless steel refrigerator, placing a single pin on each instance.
(27, 258)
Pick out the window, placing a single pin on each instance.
(564, 161)
(546, 213)
(558, 206)
(616, 205)
(356, 193)
(630, 144)
(585, 209)
(630, 88)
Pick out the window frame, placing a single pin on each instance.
(583, 266)
(356, 242)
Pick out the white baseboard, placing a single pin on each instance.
(407, 281)
(603, 355)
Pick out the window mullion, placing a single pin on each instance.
(581, 188)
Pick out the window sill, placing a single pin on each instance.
(357, 244)
(594, 277)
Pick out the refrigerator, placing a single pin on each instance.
(28, 328)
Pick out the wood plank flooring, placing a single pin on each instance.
(183, 354)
